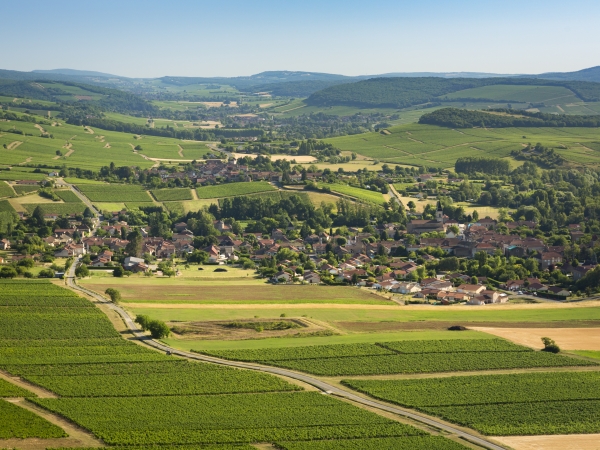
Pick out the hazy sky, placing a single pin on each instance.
(228, 38)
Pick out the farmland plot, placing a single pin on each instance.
(233, 189)
(114, 193)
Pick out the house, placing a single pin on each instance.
(470, 289)
(312, 277)
(549, 259)
(71, 250)
(4, 244)
(385, 285)
(282, 277)
(214, 254)
(407, 288)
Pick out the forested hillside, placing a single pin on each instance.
(462, 118)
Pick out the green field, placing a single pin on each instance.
(514, 404)
(17, 422)
(114, 193)
(549, 95)
(402, 357)
(434, 146)
(169, 195)
(75, 352)
(358, 193)
(57, 208)
(6, 190)
(233, 189)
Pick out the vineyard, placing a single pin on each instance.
(128, 395)
(364, 195)
(67, 196)
(56, 208)
(403, 357)
(16, 422)
(233, 189)
(6, 190)
(515, 404)
(114, 193)
(10, 390)
(170, 195)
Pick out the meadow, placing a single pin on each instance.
(428, 145)
(75, 352)
(508, 404)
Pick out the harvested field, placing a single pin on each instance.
(566, 338)
(480, 326)
(558, 442)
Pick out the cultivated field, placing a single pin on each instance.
(233, 189)
(114, 193)
(75, 352)
(440, 147)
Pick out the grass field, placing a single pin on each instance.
(440, 147)
(233, 189)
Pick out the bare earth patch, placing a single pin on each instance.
(13, 145)
(558, 442)
(444, 325)
(566, 338)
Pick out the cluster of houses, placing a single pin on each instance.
(214, 170)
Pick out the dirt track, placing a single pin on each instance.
(566, 338)
(13, 145)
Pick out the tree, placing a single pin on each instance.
(46, 273)
(158, 329)
(37, 217)
(550, 345)
(82, 271)
(341, 241)
(118, 271)
(142, 321)
(411, 205)
(115, 296)
(134, 247)
(7, 272)
(474, 280)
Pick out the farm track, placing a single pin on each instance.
(18, 381)
(180, 152)
(13, 145)
(319, 384)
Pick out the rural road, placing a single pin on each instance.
(323, 386)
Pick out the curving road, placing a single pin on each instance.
(323, 386)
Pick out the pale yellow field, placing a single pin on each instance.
(566, 338)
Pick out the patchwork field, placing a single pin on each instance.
(75, 351)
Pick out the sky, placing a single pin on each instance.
(235, 38)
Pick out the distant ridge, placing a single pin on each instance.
(590, 74)
(77, 73)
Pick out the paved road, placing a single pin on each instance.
(323, 386)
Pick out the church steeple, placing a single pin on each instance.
(439, 214)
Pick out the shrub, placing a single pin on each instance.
(550, 345)
(142, 321)
(46, 273)
(114, 295)
(158, 329)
